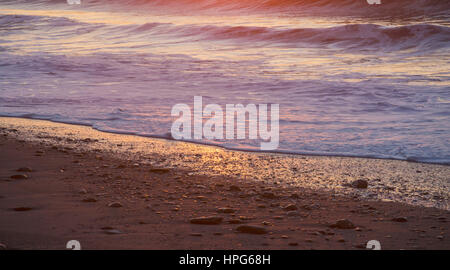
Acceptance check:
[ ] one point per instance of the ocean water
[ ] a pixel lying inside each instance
(351, 78)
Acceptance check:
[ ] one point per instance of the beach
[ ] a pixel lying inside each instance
(61, 182)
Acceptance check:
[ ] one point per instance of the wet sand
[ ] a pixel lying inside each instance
(112, 191)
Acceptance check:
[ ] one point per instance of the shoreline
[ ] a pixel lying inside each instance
(248, 150)
(414, 183)
(112, 200)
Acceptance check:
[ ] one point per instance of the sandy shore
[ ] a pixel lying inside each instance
(63, 182)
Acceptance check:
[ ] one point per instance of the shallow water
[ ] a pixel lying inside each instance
(350, 78)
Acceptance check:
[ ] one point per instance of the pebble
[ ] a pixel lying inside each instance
(251, 229)
(213, 220)
(3, 246)
(196, 234)
(360, 184)
(89, 200)
(113, 231)
(343, 224)
(290, 207)
(293, 244)
(25, 169)
(115, 205)
(400, 219)
(22, 209)
(19, 176)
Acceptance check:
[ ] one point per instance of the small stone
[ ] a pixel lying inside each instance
(360, 184)
(293, 244)
(25, 169)
(22, 209)
(399, 219)
(113, 231)
(3, 246)
(89, 200)
(234, 188)
(343, 224)
(19, 176)
(83, 191)
(213, 220)
(115, 205)
(290, 207)
(251, 229)
(440, 237)
(226, 210)
(196, 234)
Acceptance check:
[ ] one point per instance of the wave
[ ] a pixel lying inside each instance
(416, 37)
(352, 36)
(403, 8)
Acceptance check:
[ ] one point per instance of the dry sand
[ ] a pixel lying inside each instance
(112, 191)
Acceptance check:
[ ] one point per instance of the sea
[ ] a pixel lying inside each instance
(351, 78)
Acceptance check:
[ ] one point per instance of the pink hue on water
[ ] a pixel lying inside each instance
(351, 78)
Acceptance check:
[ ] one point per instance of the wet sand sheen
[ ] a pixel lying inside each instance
(388, 180)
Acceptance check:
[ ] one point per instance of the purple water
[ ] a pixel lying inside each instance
(351, 78)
